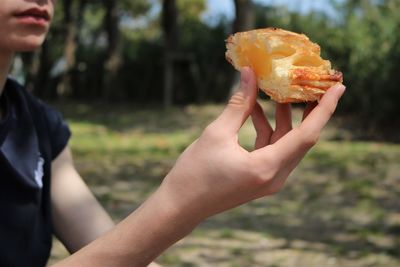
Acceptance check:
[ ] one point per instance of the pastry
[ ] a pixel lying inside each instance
(288, 65)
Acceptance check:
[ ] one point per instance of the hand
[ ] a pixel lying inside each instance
(215, 173)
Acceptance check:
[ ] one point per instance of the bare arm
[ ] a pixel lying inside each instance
(77, 216)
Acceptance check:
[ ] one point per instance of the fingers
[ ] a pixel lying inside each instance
(293, 146)
(262, 126)
(320, 115)
(283, 117)
(297, 142)
(309, 107)
(240, 105)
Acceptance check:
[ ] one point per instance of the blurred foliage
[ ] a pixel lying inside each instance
(361, 38)
(191, 9)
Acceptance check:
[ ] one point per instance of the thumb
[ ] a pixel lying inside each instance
(241, 103)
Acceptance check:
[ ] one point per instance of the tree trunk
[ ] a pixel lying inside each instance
(244, 20)
(113, 59)
(171, 40)
(72, 18)
(37, 71)
(42, 75)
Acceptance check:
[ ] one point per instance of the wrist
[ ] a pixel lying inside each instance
(178, 208)
(156, 225)
(186, 200)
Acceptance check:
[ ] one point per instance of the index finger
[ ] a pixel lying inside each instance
(298, 141)
(320, 115)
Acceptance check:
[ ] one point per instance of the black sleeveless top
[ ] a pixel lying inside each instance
(31, 135)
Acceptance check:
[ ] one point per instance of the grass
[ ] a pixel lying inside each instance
(339, 208)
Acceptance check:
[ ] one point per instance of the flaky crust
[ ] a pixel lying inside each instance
(288, 65)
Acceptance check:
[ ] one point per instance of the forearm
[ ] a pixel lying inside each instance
(81, 219)
(141, 237)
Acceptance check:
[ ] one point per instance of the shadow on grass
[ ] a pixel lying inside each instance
(350, 212)
(342, 200)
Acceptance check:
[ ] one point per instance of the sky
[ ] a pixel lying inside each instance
(226, 7)
(216, 8)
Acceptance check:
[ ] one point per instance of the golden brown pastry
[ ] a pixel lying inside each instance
(288, 65)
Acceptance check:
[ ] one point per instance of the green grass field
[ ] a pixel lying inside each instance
(341, 207)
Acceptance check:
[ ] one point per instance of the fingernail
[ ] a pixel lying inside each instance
(340, 88)
(245, 80)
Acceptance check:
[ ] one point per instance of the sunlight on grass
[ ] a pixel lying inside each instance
(339, 208)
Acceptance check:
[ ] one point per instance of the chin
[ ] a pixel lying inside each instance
(26, 44)
(29, 46)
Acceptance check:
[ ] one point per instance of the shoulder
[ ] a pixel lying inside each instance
(48, 119)
(29, 100)
(26, 100)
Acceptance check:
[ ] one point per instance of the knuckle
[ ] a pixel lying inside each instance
(310, 140)
(255, 175)
(257, 179)
(211, 132)
(276, 187)
(307, 139)
(238, 100)
(262, 170)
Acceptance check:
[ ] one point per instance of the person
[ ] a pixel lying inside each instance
(43, 194)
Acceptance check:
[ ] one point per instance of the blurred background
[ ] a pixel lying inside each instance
(172, 52)
(138, 80)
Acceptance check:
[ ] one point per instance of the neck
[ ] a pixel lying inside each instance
(5, 64)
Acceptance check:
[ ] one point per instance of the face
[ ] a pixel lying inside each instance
(24, 24)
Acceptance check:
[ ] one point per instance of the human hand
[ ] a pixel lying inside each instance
(215, 173)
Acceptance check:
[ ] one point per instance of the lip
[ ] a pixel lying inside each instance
(34, 16)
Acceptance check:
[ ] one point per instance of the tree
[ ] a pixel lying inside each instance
(113, 58)
(171, 41)
(244, 15)
(244, 20)
(115, 10)
(73, 12)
